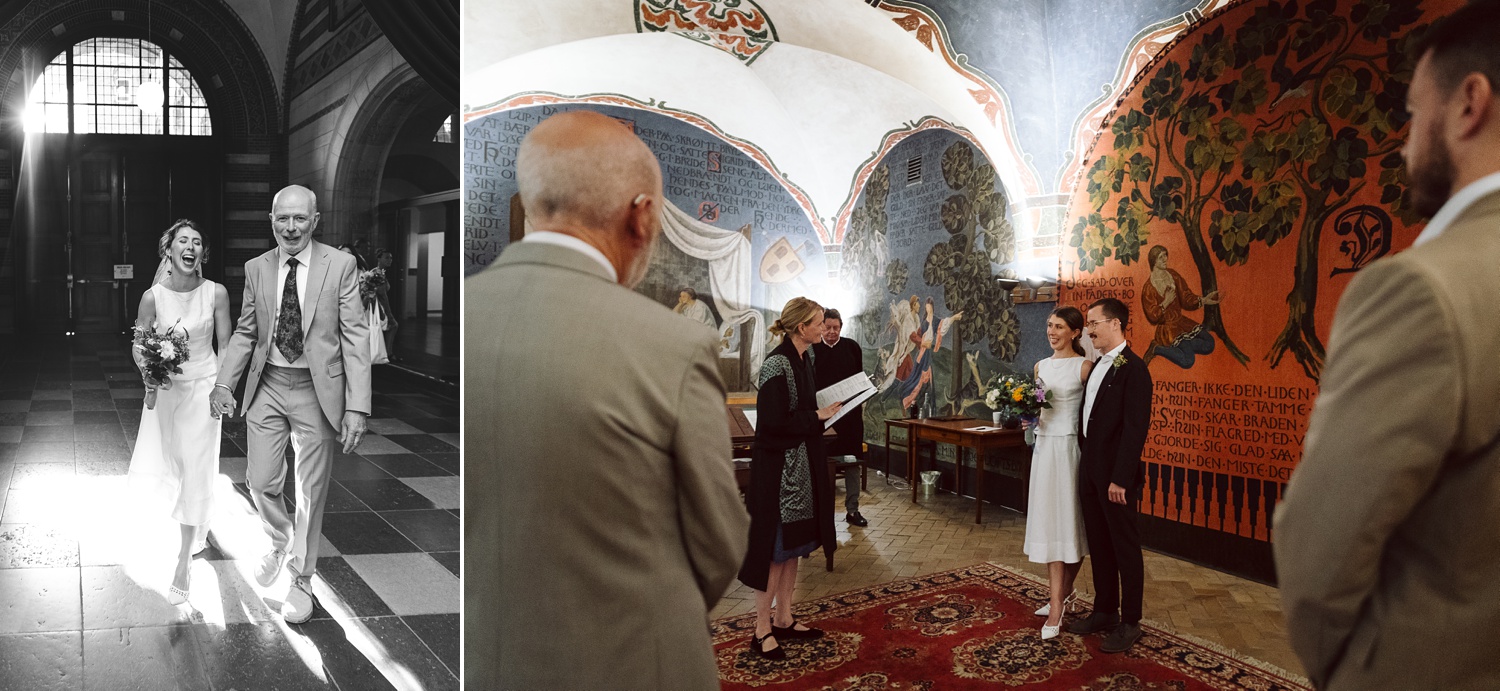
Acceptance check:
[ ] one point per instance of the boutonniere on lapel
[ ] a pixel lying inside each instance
(1119, 361)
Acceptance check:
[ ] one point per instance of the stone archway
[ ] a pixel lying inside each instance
(353, 175)
(208, 37)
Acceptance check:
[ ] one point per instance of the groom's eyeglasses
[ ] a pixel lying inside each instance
(1096, 321)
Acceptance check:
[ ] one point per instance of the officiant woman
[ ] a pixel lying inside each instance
(790, 496)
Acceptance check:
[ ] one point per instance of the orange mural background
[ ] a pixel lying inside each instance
(1260, 151)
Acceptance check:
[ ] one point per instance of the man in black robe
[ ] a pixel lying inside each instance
(836, 359)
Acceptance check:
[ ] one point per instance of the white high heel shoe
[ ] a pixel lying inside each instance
(1049, 632)
(1070, 603)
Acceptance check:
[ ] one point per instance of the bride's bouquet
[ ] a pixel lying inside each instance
(1018, 397)
(369, 282)
(159, 355)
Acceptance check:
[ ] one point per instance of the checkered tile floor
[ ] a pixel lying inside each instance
(84, 573)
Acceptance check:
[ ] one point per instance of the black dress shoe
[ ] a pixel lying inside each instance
(757, 644)
(1120, 640)
(1093, 623)
(855, 519)
(792, 632)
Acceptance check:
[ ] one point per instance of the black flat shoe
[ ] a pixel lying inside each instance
(757, 644)
(792, 632)
(855, 519)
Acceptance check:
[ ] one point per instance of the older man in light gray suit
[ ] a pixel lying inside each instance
(302, 332)
(1387, 543)
(601, 516)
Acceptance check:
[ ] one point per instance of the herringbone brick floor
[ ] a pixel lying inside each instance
(906, 540)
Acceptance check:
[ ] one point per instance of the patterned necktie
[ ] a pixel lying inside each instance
(289, 324)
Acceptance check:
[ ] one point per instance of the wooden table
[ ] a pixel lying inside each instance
(956, 432)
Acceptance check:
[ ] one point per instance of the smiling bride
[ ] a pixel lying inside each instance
(177, 450)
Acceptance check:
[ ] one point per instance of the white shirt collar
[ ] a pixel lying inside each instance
(1113, 352)
(562, 240)
(301, 257)
(1457, 204)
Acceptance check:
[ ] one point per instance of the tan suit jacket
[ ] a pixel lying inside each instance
(601, 516)
(1388, 543)
(336, 339)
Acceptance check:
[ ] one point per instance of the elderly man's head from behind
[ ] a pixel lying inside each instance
(587, 175)
(1454, 138)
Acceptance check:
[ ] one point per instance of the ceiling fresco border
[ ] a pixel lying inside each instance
(744, 32)
(1149, 43)
(539, 98)
(929, 30)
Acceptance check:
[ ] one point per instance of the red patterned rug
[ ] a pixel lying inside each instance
(971, 628)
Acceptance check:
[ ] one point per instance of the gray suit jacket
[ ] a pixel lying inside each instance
(336, 339)
(1388, 543)
(601, 515)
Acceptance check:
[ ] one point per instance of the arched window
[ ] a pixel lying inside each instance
(96, 87)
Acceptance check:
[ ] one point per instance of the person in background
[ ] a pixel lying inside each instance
(838, 359)
(384, 259)
(790, 497)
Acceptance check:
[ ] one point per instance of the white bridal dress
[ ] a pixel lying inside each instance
(177, 450)
(1054, 519)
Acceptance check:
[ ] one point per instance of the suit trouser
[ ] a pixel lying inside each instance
(286, 409)
(1115, 547)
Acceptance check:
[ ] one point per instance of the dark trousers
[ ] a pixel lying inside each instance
(1115, 549)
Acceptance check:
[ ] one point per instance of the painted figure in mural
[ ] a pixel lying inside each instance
(1116, 417)
(790, 496)
(1164, 298)
(176, 456)
(906, 365)
(914, 372)
(1385, 542)
(1054, 517)
(838, 359)
(567, 548)
(688, 305)
(304, 338)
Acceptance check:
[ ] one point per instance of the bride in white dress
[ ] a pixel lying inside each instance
(177, 450)
(1054, 519)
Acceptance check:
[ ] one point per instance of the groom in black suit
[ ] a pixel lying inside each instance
(1116, 414)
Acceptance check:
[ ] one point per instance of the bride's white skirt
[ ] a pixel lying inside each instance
(1054, 519)
(176, 453)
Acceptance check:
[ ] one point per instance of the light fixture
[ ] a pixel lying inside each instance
(1007, 283)
(149, 95)
(1038, 281)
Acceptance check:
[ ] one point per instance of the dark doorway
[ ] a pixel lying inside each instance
(91, 210)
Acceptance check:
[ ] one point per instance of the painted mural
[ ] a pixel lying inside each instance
(736, 244)
(738, 27)
(1248, 172)
(927, 235)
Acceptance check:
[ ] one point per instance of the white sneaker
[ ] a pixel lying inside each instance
(298, 607)
(270, 567)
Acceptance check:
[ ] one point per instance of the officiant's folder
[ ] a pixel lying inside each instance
(854, 390)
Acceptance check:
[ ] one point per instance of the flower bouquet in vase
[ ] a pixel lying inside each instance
(159, 355)
(1016, 399)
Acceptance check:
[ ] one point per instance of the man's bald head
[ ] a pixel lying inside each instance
(294, 218)
(585, 169)
(297, 193)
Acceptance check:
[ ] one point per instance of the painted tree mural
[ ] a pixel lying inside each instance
(961, 266)
(865, 254)
(1260, 136)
